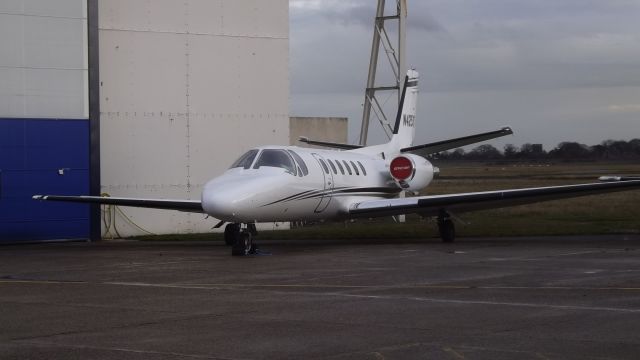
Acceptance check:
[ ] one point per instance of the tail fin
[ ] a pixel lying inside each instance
(404, 130)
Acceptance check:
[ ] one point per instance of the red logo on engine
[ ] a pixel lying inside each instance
(401, 168)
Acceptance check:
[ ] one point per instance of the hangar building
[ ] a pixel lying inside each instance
(132, 98)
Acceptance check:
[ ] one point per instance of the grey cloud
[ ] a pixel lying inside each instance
(361, 14)
(473, 55)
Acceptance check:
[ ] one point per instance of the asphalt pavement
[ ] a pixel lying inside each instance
(517, 298)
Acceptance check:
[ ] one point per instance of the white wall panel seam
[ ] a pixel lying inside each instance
(196, 33)
(43, 68)
(44, 16)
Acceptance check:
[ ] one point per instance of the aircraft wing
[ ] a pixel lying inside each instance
(457, 203)
(436, 147)
(181, 205)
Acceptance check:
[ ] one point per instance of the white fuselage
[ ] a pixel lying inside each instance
(331, 183)
(289, 183)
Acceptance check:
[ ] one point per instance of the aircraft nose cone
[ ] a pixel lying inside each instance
(220, 201)
(238, 198)
(232, 198)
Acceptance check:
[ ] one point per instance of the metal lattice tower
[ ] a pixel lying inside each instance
(396, 57)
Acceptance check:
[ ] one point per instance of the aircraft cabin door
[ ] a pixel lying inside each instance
(325, 199)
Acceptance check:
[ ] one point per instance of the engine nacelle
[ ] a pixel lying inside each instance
(411, 172)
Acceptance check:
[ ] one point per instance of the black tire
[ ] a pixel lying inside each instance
(447, 230)
(243, 245)
(231, 233)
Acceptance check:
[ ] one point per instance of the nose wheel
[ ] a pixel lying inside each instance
(240, 237)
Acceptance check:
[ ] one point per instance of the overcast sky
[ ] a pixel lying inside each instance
(553, 70)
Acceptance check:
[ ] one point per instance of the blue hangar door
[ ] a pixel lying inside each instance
(45, 107)
(40, 156)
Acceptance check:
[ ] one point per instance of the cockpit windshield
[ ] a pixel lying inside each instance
(276, 158)
(245, 160)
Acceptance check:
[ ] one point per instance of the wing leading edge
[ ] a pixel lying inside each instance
(181, 205)
(436, 147)
(456, 203)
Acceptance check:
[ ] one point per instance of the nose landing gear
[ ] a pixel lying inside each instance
(240, 238)
(231, 233)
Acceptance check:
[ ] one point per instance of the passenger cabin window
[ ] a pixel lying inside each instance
(301, 163)
(324, 166)
(364, 172)
(333, 167)
(340, 166)
(245, 160)
(276, 158)
(355, 168)
(347, 167)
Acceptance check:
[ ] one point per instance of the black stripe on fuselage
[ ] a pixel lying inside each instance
(312, 194)
(351, 191)
(401, 105)
(386, 190)
(293, 197)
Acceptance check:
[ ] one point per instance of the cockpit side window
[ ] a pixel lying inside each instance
(276, 158)
(245, 160)
(303, 167)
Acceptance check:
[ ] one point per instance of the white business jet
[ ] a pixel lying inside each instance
(288, 183)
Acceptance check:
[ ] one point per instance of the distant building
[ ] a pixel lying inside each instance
(331, 129)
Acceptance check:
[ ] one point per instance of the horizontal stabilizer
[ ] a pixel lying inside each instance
(436, 147)
(329, 144)
(180, 205)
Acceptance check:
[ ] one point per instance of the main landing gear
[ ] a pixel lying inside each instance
(240, 238)
(446, 227)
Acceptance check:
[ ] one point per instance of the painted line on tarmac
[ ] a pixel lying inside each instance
(410, 298)
(119, 349)
(494, 303)
(23, 281)
(359, 296)
(316, 286)
(453, 353)
(372, 287)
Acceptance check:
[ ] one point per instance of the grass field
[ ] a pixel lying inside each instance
(598, 214)
(615, 213)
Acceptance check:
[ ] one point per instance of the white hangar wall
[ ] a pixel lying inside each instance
(186, 87)
(43, 59)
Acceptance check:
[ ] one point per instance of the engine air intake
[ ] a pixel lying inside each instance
(401, 168)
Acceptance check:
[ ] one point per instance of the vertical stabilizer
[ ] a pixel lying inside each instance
(404, 129)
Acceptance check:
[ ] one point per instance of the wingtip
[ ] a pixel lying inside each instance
(38, 197)
(508, 130)
(610, 178)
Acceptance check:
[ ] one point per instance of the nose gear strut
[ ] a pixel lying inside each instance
(240, 238)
